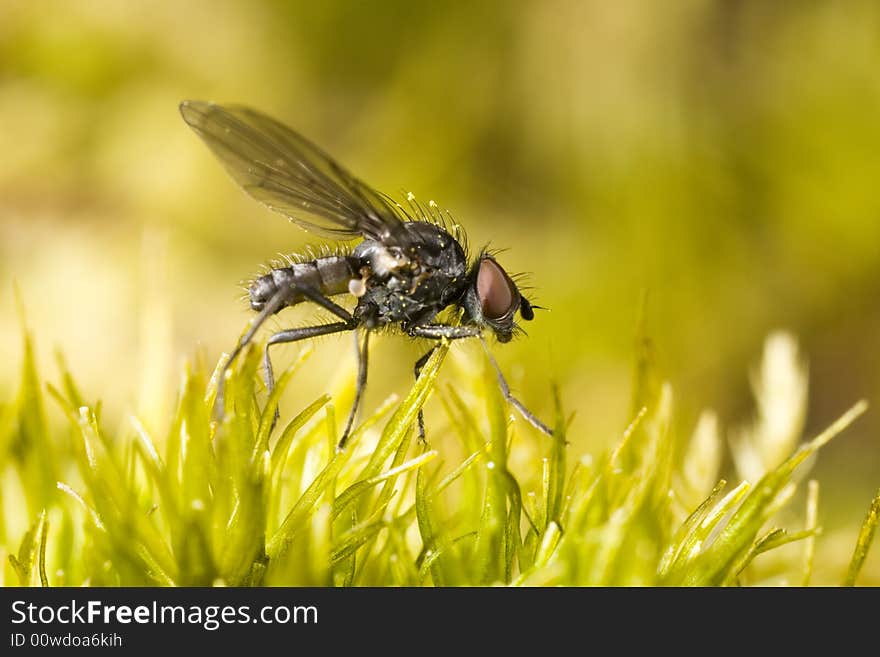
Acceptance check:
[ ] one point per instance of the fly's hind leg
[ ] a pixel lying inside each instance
(272, 306)
(348, 323)
(306, 332)
(295, 335)
(276, 303)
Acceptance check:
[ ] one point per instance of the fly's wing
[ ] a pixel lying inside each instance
(285, 171)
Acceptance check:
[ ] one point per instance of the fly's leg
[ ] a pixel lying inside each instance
(272, 306)
(516, 403)
(436, 332)
(295, 335)
(420, 363)
(440, 331)
(363, 360)
(275, 303)
(348, 323)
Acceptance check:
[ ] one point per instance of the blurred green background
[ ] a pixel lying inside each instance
(720, 157)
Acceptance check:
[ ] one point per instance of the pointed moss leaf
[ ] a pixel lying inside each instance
(715, 564)
(305, 506)
(555, 478)
(694, 543)
(357, 489)
(770, 541)
(282, 445)
(25, 563)
(405, 414)
(267, 418)
(679, 540)
(863, 543)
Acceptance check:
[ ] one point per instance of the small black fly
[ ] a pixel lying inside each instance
(407, 269)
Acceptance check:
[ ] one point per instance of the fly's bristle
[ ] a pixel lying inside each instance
(412, 203)
(339, 250)
(521, 278)
(435, 214)
(416, 207)
(422, 213)
(432, 213)
(245, 287)
(493, 251)
(309, 252)
(277, 263)
(458, 232)
(406, 216)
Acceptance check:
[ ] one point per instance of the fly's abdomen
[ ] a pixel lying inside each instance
(329, 275)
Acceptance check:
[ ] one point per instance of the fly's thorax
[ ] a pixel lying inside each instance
(411, 281)
(383, 262)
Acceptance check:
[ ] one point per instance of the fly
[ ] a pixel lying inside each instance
(404, 272)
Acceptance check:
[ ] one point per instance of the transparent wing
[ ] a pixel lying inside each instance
(285, 171)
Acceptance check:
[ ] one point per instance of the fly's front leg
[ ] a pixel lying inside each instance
(517, 404)
(436, 332)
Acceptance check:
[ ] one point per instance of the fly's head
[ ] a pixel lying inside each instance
(493, 299)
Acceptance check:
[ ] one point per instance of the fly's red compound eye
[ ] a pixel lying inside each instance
(497, 294)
